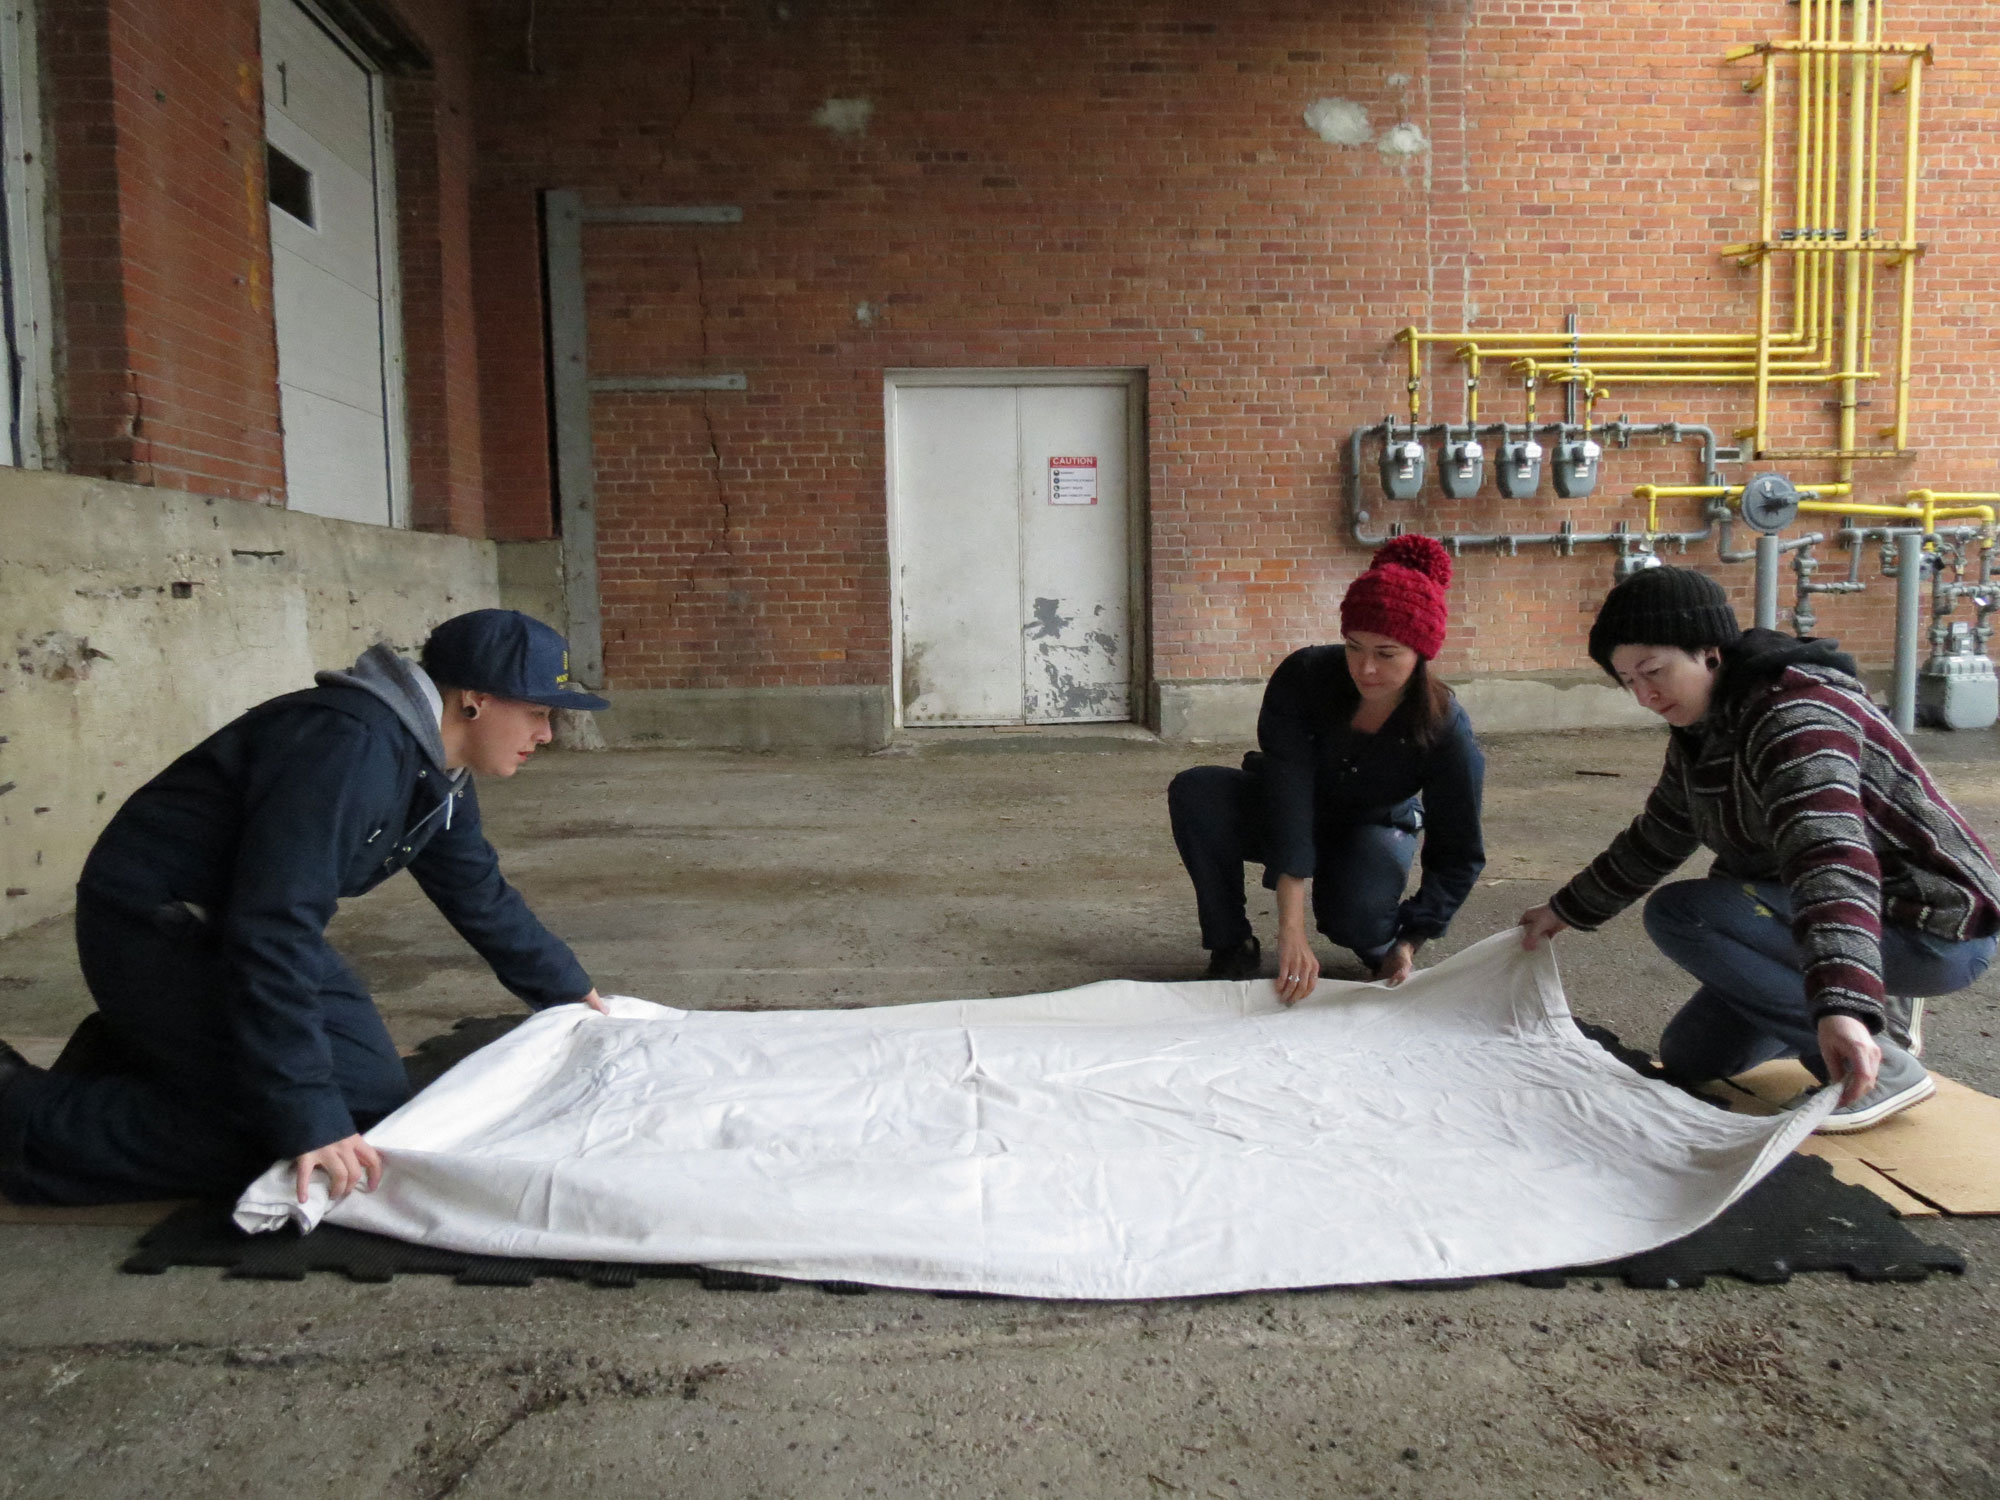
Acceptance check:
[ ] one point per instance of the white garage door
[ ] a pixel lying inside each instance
(1013, 515)
(339, 364)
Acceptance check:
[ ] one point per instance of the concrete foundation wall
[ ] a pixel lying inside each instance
(1227, 709)
(135, 621)
(531, 580)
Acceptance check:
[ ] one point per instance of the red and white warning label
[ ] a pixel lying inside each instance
(1073, 481)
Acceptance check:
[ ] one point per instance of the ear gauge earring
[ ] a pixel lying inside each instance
(470, 710)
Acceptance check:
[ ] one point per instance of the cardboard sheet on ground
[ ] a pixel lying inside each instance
(1936, 1158)
(1117, 1140)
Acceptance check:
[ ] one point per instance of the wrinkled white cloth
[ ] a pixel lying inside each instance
(1117, 1140)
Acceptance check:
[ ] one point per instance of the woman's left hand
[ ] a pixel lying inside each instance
(1853, 1058)
(1397, 964)
(596, 1002)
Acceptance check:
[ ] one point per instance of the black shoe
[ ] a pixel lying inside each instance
(1240, 962)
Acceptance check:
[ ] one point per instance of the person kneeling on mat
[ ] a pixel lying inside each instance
(1362, 749)
(228, 1032)
(1841, 870)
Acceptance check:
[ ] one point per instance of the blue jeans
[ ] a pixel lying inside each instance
(1360, 868)
(1736, 938)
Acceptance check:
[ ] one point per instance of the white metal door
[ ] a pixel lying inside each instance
(1075, 559)
(958, 508)
(1012, 521)
(338, 377)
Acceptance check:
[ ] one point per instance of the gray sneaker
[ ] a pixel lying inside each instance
(1906, 1023)
(1901, 1083)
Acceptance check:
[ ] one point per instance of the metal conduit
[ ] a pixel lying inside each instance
(1766, 615)
(1909, 625)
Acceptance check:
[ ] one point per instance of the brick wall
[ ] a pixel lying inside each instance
(163, 264)
(169, 362)
(507, 283)
(432, 125)
(1105, 183)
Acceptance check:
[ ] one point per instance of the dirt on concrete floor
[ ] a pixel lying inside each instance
(957, 867)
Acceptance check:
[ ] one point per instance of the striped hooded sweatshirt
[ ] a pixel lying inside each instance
(1793, 775)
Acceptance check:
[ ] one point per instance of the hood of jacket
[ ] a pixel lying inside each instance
(403, 686)
(1760, 656)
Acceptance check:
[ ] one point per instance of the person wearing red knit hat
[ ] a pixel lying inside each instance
(1362, 752)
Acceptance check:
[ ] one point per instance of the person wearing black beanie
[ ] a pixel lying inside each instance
(1663, 607)
(1845, 886)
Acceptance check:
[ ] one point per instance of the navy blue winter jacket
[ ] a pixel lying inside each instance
(264, 826)
(1319, 774)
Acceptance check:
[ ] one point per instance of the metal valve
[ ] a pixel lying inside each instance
(1520, 470)
(1462, 470)
(1770, 503)
(1576, 467)
(1402, 465)
(1637, 560)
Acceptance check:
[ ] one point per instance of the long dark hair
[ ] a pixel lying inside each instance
(1421, 715)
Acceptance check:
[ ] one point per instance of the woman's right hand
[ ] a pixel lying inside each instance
(1298, 966)
(1539, 925)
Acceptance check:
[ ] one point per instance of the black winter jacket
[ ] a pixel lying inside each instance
(263, 827)
(1318, 773)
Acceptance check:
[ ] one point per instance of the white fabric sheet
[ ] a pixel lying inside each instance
(1117, 1140)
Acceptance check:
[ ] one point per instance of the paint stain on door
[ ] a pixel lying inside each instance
(1074, 671)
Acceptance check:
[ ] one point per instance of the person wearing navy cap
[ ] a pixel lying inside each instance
(228, 1032)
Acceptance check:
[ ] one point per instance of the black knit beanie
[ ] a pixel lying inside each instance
(1663, 607)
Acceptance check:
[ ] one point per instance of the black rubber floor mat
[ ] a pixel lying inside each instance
(1800, 1218)
(202, 1234)
(437, 1055)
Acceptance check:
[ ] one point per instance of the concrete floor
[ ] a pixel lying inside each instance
(976, 865)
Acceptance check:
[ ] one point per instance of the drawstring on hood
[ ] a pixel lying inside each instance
(405, 687)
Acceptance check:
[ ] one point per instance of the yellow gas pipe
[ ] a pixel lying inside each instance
(1653, 494)
(1804, 354)
(1927, 507)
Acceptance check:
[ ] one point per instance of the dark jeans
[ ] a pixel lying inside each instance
(1360, 868)
(1736, 938)
(161, 1111)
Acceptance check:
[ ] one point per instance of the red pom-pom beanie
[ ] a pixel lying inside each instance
(1402, 594)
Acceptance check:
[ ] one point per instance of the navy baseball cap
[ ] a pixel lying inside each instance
(507, 653)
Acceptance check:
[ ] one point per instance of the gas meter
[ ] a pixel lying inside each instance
(1957, 688)
(1520, 470)
(1402, 464)
(1576, 468)
(1462, 470)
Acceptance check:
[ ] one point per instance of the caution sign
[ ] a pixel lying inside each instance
(1073, 481)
